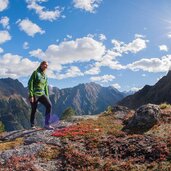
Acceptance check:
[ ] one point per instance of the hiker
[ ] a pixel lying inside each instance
(38, 92)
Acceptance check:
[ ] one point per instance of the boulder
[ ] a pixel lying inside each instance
(120, 111)
(143, 120)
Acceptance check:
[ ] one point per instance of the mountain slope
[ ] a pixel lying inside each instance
(159, 93)
(10, 86)
(14, 108)
(87, 98)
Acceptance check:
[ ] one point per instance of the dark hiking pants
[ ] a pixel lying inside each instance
(46, 102)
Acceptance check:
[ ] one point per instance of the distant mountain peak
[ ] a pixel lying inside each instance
(10, 86)
(87, 98)
(156, 94)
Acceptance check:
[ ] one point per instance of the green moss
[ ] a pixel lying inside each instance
(165, 105)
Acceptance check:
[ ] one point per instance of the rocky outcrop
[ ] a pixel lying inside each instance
(120, 111)
(144, 119)
(92, 144)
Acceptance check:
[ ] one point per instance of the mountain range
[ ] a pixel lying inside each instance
(89, 98)
(156, 94)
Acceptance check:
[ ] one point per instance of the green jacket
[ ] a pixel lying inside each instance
(37, 84)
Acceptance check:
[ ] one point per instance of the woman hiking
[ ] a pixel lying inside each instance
(38, 92)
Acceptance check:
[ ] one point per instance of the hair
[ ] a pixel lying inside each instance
(43, 62)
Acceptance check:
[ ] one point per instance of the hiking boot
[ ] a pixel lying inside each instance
(33, 127)
(48, 127)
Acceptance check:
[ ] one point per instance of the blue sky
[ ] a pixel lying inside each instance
(120, 43)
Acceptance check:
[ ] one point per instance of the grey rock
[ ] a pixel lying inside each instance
(43, 137)
(120, 111)
(144, 119)
(26, 150)
(9, 136)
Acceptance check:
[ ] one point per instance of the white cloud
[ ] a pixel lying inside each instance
(135, 89)
(110, 63)
(103, 79)
(139, 36)
(93, 71)
(81, 50)
(53, 65)
(1, 50)
(25, 45)
(91, 35)
(152, 64)
(29, 27)
(135, 46)
(87, 5)
(5, 22)
(85, 49)
(169, 35)
(69, 36)
(163, 48)
(38, 53)
(117, 86)
(50, 73)
(109, 60)
(73, 71)
(102, 37)
(15, 66)
(3, 4)
(4, 36)
(42, 12)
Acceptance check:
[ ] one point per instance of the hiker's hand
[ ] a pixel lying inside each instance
(31, 99)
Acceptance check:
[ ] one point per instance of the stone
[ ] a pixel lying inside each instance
(120, 111)
(144, 119)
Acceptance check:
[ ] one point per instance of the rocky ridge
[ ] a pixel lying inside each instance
(98, 143)
(155, 94)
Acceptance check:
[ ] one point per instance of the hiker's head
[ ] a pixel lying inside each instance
(43, 65)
